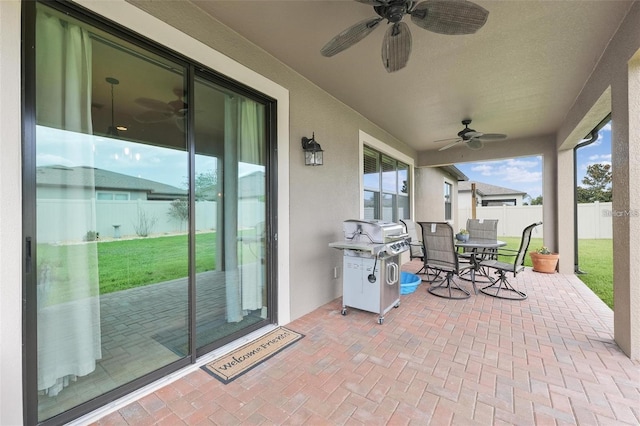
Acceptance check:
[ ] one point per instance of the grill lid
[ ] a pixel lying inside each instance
(372, 231)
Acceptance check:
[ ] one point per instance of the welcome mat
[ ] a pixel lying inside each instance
(234, 364)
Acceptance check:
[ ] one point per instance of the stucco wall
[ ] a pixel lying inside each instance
(10, 217)
(429, 183)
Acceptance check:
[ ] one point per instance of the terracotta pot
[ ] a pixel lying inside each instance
(545, 263)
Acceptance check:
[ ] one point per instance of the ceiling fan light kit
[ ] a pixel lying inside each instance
(449, 17)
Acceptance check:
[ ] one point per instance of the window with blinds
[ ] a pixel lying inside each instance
(386, 187)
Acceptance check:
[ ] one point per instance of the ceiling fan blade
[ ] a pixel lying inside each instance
(447, 140)
(374, 2)
(450, 145)
(492, 136)
(155, 105)
(396, 47)
(180, 123)
(451, 17)
(474, 143)
(350, 36)
(152, 116)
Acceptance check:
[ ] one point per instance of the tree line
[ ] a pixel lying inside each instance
(597, 186)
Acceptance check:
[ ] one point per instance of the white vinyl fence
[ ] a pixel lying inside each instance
(594, 219)
(63, 221)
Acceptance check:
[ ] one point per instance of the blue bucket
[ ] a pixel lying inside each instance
(409, 282)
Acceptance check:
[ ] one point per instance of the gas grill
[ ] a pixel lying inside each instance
(371, 270)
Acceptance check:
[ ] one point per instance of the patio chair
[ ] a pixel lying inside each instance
(483, 229)
(480, 229)
(501, 287)
(440, 255)
(416, 250)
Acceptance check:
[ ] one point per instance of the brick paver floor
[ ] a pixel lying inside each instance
(547, 360)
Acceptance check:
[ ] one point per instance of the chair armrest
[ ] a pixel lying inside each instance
(505, 253)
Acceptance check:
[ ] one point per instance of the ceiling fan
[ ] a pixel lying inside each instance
(471, 138)
(450, 17)
(158, 111)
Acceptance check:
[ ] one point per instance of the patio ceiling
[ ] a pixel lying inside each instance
(518, 75)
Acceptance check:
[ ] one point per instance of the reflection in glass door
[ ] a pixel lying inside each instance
(230, 214)
(112, 242)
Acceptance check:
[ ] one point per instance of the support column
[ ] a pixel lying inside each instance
(565, 204)
(625, 148)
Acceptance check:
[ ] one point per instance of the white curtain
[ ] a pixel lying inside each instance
(69, 340)
(244, 143)
(251, 132)
(252, 151)
(230, 202)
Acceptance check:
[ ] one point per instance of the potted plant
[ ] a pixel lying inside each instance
(463, 235)
(544, 261)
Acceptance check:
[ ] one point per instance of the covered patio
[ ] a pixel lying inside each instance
(550, 359)
(544, 75)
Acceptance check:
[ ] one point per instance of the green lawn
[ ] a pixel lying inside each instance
(131, 263)
(595, 258)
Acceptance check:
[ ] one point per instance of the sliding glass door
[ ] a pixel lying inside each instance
(230, 192)
(150, 218)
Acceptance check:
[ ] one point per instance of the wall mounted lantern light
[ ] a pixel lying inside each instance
(312, 151)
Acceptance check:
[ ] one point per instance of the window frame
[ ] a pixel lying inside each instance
(382, 192)
(448, 201)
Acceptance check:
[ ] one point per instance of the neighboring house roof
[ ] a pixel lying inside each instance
(99, 179)
(456, 173)
(486, 189)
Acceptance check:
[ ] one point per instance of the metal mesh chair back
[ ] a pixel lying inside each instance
(487, 229)
(416, 241)
(524, 245)
(440, 252)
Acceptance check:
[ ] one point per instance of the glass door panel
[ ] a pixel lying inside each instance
(111, 199)
(230, 213)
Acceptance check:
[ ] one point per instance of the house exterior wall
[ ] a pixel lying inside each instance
(464, 199)
(429, 205)
(516, 197)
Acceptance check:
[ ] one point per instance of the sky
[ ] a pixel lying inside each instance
(525, 173)
(169, 166)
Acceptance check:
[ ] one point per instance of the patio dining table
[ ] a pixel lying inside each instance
(478, 248)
